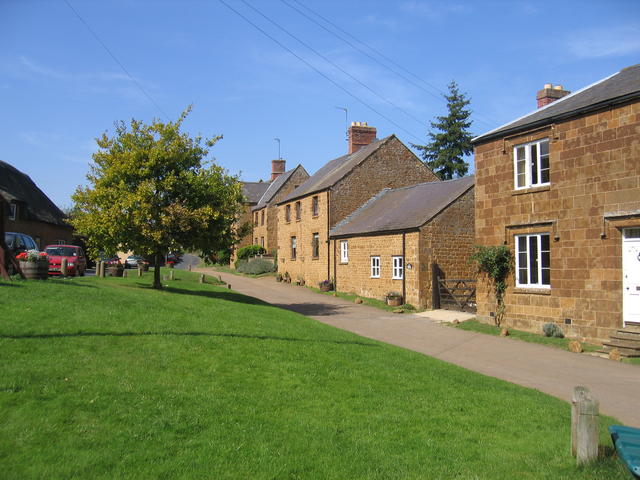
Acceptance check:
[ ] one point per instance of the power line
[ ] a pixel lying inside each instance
(486, 121)
(355, 79)
(319, 72)
(115, 59)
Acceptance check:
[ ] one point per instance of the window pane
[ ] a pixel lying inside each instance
(534, 164)
(544, 147)
(520, 154)
(544, 240)
(533, 259)
(522, 244)
(522, 276)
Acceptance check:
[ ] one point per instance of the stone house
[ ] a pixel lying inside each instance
(561, 188)
(391, 242)
(265, 212)
(342, 185)
(30, 211)
(251, 192)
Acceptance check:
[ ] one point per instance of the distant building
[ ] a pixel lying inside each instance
(30, 211)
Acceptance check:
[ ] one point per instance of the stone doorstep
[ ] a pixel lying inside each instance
(624, 351)
(624, 343)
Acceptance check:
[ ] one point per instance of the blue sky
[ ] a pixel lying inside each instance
(60, 88)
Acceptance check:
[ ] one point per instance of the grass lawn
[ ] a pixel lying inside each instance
(107, 378)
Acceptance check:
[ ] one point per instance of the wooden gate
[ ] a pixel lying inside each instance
(453, 293)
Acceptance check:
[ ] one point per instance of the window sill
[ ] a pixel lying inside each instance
(376, 278)
(396, 278)
(315, 216)
(524, 191)
(315, 258)
(293, 259)
(532, 291)
(298, 219)
(343, 263)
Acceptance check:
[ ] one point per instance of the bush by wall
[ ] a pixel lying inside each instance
(255, 266)
(250, 251)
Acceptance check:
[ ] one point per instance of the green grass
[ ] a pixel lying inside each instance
(372, 302)
(562, 343)
(107, 378)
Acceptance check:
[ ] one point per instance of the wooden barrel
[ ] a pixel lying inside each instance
(35, 270)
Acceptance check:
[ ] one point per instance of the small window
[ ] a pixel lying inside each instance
(262, 218)
(255, 219)
(287, 213)
(344, 251)
(262, 242)
(315, 245)
(398, 268)
(255, 241)
(314, 206)
(298, 211)
(13, 211)
(533, 261)
(294, 248)
(375, 267)
(531, 164)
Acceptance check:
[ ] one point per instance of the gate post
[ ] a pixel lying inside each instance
(435, 286)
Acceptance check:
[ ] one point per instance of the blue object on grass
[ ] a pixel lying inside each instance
(627, 443)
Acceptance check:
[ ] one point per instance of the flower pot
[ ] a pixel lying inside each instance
(325, 287)
(35, 270)
(394, 301)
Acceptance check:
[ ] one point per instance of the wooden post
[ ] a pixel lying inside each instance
(125, 273)
(435, 287)
(64, 267)
(171, 274)
(139, 271)
(101, 269)
(201, 280)
(189, 267)
(584, 425)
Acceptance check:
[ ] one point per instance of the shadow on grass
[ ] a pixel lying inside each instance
(219, 295)
(44, 336)
(8, 283)
(310, 309)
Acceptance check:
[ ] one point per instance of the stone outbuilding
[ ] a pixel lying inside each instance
(336, 190)
(393, 242)
(30, 211)
(561, 188)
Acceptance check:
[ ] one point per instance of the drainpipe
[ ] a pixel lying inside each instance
(335, 275)
(404, 271)
(329, 241)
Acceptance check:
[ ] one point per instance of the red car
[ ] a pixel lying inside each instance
(76, 261)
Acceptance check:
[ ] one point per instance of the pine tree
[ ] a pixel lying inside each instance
(445, 152)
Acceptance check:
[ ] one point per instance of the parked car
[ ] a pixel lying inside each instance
(132, 261)
(17, 243)
(76, 260)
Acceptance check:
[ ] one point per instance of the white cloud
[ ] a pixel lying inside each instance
(605, 42)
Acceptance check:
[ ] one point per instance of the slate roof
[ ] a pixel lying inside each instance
(274, 188)
(402, 208)
(252, 191)
(334, 170)
(18, 186)
(618, 88)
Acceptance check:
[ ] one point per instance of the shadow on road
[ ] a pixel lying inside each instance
(311, 309)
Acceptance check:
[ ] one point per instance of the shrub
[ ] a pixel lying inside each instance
(552, 330)
(250, 251)
(496, 263)
(255, 266)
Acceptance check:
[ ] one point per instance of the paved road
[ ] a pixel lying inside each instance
(550, 370)
(188, 259)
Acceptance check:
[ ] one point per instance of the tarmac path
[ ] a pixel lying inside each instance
(550, 370)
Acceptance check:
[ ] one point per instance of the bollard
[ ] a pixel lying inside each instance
(64, 267)
(584, 425)
(229, 286)
(201, 280)
(171, 274)
(189, 267)
(102, 265)
(125, 273)
(139, 271)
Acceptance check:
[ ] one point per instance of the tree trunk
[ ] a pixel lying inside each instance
(156, 272)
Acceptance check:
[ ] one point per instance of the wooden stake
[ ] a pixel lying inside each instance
(64, 267)
(585, 425)
(201, 280)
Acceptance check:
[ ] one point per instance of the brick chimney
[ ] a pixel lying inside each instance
(360, 135)
(278, 167)
(550, 94)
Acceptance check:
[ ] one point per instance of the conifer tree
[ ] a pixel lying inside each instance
(450, 139)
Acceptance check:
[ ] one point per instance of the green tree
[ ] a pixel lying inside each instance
(445, 152)
(152, 191)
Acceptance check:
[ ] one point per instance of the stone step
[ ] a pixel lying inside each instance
(626, 335)
(616, 342)
(624, 351)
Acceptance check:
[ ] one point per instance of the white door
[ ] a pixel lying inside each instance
(631, 276)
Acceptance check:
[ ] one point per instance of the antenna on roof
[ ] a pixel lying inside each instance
(278, 140)
(346, 121)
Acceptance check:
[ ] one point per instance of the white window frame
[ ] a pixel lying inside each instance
(536, 239)
(531, 164)
(13, 211)
(344, 251)
(294, 248)
(315, 244)
(398, 267)
(375, 266)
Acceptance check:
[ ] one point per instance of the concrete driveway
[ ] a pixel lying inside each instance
(550, 370)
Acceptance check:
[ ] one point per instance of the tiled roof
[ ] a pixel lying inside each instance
(402, 208)
(619, 87)
(274, 187)
(334, 170)
(252, 191)
(18, 186)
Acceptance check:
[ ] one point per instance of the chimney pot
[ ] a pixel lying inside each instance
(278, 167)
(550, 94)
(548, 85)
(360, 135)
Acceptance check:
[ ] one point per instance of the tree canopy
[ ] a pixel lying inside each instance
(152, 191)
(447, 147)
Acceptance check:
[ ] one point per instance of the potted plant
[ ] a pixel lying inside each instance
(325, 286)
(34, 264)
(278, 277)
(286, 277)
(300, 281)
(394, 299)
(115, 269)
